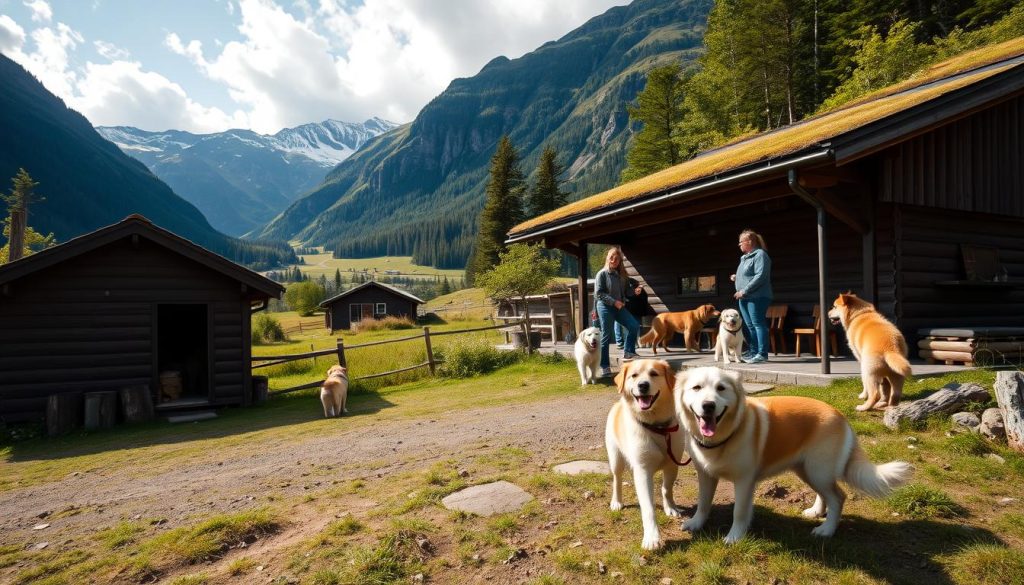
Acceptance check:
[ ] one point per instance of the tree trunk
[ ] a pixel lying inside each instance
(136, 404)
(1010, 396)
(526, 321)
(63, 413)
(100, 410)
(17, 239)
(951, 398)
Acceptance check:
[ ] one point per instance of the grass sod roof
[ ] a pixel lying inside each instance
(807, 133)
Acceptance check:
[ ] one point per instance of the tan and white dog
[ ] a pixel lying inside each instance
(730, 336)
(587, 351)
(334, 391)
(879, 347)
(746, 440)
(642, 433)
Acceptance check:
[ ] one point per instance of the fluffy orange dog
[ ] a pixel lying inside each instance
(689, 323)
(879, 347)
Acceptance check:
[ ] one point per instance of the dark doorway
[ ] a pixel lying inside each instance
(182, 352)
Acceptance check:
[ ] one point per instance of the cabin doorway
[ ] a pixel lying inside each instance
(182, 353)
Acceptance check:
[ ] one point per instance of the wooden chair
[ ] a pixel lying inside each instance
(776, 315)
(816, 334)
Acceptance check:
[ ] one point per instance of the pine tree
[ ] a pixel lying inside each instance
(547, 194)
(337, 279)
(445, 287)
(21, 196)
(659, 108)
(502, 210)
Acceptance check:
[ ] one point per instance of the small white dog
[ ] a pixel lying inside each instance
(334, 392)
(730, 336)
(588, 354)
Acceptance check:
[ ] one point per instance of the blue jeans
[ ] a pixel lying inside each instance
(755, 324)
(609, 317)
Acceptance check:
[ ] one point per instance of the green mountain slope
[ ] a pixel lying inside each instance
(87, 182)
(418, 189)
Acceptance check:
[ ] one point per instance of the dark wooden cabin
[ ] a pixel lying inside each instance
(912, 197)
(119, 306)
(370, 300)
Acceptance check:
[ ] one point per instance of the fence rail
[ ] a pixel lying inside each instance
(273, 360)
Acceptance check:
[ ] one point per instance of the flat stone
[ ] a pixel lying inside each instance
(488, 499)
(757, 387)
(966, 419)
(583, 466)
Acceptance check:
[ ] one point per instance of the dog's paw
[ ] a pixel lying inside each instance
(693, 524)
(734, 536)
(880, 405)
(862, 407)
(615, 506)
(673, 511)
(812, 512)
(824, 531)
(651, 542)
(863, 395)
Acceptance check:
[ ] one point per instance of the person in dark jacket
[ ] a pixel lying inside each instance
(610, 294)
(636, 305)
(753, 280)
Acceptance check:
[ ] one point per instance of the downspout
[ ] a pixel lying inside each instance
(797, 188)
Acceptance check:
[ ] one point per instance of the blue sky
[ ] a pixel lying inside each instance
(209, 65)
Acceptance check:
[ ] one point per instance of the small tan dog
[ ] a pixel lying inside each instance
(745, 440)
(730, 336)
(689, 323)
(334, 392)
(879, 347)
(642, 432)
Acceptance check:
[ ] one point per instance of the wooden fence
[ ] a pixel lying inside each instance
(339, 351)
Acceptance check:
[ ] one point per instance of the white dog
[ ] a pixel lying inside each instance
(746, 440)
(642, 432)
(334, 392)
(730, 336)
(588, 354)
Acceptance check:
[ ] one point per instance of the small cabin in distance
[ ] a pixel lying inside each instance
(123, 306)
(370, 300)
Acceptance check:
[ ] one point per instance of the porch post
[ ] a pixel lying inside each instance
(583, 320)
(826, 366)
(868, 249)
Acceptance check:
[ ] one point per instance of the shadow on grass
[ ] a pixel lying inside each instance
(280, 411)
(901, 551)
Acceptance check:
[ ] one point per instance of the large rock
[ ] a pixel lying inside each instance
(966, 419)
(1010, 396)
(950, 398)
(578, 467)
(992, 424)
(488, 499)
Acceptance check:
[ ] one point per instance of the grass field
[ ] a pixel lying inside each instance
(324, 263)
(952, 525)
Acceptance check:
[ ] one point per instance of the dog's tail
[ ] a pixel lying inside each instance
(648, 338)
(898, 362)
(876, 481)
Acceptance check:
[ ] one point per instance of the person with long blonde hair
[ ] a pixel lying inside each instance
(753, 280)
(610, 293)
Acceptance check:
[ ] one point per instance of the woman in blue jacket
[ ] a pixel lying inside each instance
(610, 293)
(753, 280)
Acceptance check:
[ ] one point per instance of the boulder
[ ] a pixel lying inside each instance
(1010, 396)
(992, 424)
(950, 398)
(966, 419)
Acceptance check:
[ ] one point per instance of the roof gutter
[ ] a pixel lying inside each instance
(722, 182)
(798, 189)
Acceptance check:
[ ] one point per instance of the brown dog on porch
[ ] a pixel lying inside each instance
(689, 323)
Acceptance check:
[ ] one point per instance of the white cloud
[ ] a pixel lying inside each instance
(41, 11)
(12, 36)
(111, 51)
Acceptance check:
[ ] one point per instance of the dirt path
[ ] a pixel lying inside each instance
(104, 497)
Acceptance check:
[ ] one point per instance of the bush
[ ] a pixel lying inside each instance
(389, 322)
(918, 501)
(304, 297)
(266, 329)
(465, 359)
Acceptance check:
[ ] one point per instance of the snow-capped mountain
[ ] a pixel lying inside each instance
(240, 179)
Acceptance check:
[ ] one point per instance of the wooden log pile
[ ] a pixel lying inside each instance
(983, 348)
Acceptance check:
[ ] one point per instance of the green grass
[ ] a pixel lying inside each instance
(317, 264)
(919, 501)
(211, 538)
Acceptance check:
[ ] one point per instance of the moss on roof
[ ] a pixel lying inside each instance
(790, 139)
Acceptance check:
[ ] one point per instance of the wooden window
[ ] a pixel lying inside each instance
(359, 311)
(704, 285)
(381, 309)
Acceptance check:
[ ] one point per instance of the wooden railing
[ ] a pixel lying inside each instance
(273, 360)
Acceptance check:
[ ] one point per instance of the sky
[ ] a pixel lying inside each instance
(210, 65)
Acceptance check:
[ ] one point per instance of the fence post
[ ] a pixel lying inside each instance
(341, 353)
(430, 351)
(311, 350)
(526, 337)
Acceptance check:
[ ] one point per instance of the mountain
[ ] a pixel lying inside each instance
(240, 179)
(86, 182)
(419, 188)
